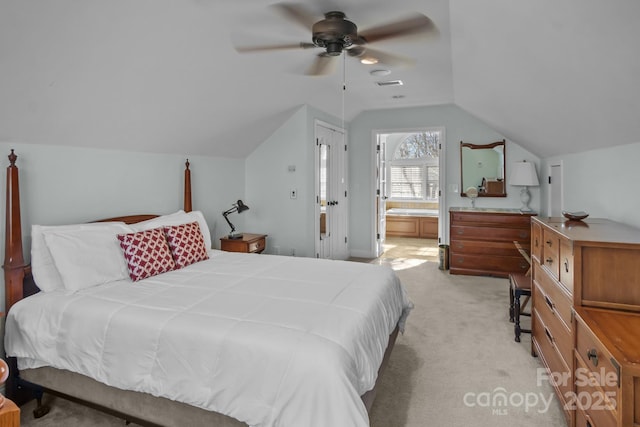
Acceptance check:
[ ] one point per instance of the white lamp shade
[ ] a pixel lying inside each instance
(524, 173)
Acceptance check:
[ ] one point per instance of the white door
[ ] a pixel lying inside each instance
(555, 189)
(381, 194)
(331, 197)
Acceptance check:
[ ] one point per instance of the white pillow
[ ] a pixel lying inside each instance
(177, 218)
(43, 268)
(88, 257)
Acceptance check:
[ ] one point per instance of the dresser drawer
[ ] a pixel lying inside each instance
(566, 264)
(257, 246)
(554, 296)
(596, 359)
(488, 219)
(483, 247)
(501, 265)
(536, 241)
(551, 252)
(546, 309)
(248, 243)
(599, 406)
(469, 232)
(593, 419)
(547, 351)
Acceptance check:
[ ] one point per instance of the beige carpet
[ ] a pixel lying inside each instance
(403, 248)
(455, 360)
(458, 354)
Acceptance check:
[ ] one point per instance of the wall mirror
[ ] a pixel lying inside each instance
(482, 168)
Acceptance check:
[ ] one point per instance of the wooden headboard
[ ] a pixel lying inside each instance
(18, 281)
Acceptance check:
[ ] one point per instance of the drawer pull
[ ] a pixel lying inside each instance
(593, 356)
(549, 242)
(549, 260)
(566, 265)
(546, 331)
(549, 303)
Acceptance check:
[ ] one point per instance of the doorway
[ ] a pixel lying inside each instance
(555, 190)
(409, 204)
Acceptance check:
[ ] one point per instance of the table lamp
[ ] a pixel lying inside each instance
(524, 174)
(239, 207)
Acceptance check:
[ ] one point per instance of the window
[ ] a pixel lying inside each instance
(407, 181)
(415, 173)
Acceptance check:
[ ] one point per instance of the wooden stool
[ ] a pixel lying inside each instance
(519, 284)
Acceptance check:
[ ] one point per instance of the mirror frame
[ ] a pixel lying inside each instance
(490, 146)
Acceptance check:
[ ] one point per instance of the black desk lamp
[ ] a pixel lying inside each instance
(237, 207)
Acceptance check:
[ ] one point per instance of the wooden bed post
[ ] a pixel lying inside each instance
(13, 257)
(187, 188)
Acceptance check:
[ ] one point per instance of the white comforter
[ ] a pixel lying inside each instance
(268, 340)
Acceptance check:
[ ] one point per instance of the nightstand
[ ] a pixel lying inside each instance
(249, 243)
(9, 414)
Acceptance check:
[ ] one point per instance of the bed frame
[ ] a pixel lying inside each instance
(141, 408)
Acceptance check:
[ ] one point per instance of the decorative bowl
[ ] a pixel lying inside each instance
(575, 216)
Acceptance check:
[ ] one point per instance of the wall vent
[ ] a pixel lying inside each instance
(390, 83)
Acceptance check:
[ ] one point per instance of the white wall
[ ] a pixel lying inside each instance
(64, 185)
(288, 222)
(459, 126)
(600, 182)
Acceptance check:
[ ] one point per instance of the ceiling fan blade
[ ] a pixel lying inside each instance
(288, 46)
(382, 57)
(323, 65)
(298, 13)
(414, 24)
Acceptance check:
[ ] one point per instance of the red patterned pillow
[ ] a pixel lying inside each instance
(147, 253)
(186, 243)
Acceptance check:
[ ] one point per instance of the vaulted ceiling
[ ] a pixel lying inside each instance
(164, 76)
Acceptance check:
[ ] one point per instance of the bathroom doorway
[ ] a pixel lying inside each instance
(409, 201)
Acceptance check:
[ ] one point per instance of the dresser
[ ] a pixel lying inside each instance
(481, 241)
(586, 317)
(249, 243)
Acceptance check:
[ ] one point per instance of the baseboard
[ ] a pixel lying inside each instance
(362, 254)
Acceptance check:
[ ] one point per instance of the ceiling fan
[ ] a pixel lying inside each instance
(335, 34)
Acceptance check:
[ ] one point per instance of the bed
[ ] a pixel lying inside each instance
(228, 340)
